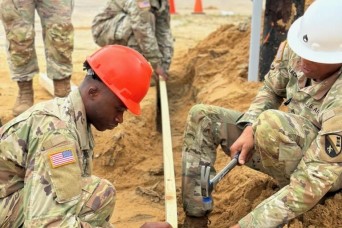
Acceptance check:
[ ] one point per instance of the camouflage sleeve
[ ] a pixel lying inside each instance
(53, 181)
(273, 91)
(318, 172)
(164, 35)
(102, 25)
(139, 12)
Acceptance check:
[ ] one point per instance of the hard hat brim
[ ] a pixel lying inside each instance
(133, 107)
(302, 49)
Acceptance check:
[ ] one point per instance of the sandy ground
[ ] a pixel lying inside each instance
(210, 66)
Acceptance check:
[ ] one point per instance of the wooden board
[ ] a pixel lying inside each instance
(169, 173)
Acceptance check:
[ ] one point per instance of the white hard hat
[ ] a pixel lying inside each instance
(317, 35)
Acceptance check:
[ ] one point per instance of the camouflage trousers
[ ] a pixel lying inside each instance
(117, 30)
(94, 208)
(280, 141)
(18, 18)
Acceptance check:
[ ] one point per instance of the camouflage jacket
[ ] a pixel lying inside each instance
(156, 46)
(320, 169)
(45, 152)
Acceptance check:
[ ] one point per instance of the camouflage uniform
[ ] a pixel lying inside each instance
(301, 149)
(140, 24)
(18, 20)
(45, 169)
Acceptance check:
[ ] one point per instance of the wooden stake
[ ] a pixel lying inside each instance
(169, 173)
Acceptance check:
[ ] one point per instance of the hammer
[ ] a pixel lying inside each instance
(207, 185)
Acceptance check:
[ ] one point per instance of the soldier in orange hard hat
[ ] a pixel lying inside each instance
(46, 152)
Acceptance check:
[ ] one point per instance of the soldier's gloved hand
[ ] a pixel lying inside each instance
(156, 225)
(160, 71)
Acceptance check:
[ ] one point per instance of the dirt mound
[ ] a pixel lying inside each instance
(216, 69)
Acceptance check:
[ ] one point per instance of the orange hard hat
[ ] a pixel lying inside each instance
(125, 71)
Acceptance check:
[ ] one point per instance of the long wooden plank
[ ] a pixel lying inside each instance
(169, 173)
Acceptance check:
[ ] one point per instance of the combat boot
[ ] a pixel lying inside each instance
(61, 87)
(195, 222)
(25, 98)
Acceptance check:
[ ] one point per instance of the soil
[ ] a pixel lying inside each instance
(210, 66)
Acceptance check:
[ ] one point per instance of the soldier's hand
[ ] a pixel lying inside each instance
(156, 225)
(245, 144)
(159, 71)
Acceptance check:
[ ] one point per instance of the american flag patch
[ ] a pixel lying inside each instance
(61, 158)
(144, 4)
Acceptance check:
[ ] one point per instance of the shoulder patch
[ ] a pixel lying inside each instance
(57, 140)
(144, 4)
(280, 52)
(333, 145)
(61, 156)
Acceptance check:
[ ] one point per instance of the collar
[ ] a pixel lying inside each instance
(85, 135)
(317, 90)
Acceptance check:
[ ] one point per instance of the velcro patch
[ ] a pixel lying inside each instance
(333, 145)
(144, 4)
(61, 157)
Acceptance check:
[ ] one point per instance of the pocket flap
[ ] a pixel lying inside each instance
(64, 171)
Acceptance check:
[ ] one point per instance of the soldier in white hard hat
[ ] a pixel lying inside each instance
(300, 148)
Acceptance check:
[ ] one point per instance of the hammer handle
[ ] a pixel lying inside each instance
(225, 170)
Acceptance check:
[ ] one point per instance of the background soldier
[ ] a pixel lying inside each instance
(301, 149)
(140, 24)
(58, 33)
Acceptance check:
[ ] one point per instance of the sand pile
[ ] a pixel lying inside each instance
(217, 68)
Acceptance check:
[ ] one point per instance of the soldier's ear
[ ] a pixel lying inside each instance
(93, 92)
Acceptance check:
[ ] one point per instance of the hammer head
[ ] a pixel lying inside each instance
(206, 185)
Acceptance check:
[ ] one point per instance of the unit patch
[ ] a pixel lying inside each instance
(333, 145)
(61, 158)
